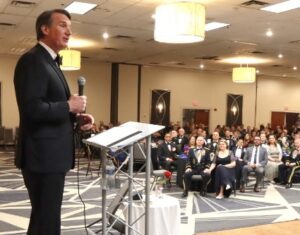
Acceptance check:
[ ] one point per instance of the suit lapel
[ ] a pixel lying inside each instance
(56, 69)
(60, 75)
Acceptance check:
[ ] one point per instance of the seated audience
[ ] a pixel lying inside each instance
(180, 141)
(167, 153)
(192, 142)
(291, 164)
(198, 161)
(274, 159)
(224, 162)
(239, 153)
(256, 158)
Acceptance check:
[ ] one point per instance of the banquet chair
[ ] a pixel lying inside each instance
(199, 179)
(252, 174)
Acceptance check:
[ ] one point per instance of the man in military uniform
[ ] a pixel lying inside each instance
(198, 160)
(290, 166)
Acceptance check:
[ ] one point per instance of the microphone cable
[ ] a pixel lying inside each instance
(78, 138)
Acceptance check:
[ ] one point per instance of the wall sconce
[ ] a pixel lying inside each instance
(244, 74)
(71, 59)
(160, 107)
(234, 110)
(179, 22)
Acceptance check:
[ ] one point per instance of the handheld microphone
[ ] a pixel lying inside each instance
(81, 83)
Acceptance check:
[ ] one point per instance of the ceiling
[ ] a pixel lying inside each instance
(130, 26)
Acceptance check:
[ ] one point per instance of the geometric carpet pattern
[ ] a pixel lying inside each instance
(198, 214)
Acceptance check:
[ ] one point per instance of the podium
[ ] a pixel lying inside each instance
(118, 138)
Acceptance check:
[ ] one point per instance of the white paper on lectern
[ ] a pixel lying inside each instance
(122, 136)
(114, 134)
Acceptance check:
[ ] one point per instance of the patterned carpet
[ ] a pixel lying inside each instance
(198, 214)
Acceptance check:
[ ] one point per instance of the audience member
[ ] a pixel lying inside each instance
(198, 161)
(291, 164)
(256, 158)
(274, 159)
(224, 162)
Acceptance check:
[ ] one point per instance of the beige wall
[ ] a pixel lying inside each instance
(195, 89)
(189, 89)
(128, 88)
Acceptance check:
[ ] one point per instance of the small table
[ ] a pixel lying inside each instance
(164, 216)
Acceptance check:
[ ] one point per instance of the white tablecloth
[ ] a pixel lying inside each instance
(164, 216)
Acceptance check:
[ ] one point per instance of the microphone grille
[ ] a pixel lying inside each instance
(81, 81)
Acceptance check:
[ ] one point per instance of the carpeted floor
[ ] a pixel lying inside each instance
(283, 228)
(198, 214)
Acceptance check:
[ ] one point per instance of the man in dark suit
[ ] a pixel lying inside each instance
(198, 161)
(48, 112)
(239, 153)
(167, 153)
(180, 141)
(256, 158)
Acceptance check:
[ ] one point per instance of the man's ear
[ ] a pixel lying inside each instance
(45, 29)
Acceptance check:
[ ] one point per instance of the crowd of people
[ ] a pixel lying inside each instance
(225, 157)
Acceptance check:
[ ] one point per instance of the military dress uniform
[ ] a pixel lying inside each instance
(198, 160)
(286, 171)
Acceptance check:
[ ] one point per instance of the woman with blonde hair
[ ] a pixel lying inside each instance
(224, 163)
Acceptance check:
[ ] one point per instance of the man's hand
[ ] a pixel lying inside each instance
(85, 121)
(252, 165)
(77, 104)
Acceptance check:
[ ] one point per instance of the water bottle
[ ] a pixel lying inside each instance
(110, 171)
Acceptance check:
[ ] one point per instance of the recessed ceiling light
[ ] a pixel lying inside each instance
(201, 66)
(295, 68)
(280, 56)
(80, 7)
(257, 71)
(214, 25)
(105, 35)
(283, 6)
(269, 33)
(245, 60)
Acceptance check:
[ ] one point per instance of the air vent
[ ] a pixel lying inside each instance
(207, 58)
(257, 52)
(295, 42)
(123, 37)
(254, 3)
(153, 63)
(17, 51)
(277, 65)
(23, 4)
(5, 26)
(28, 40)
(110, 49)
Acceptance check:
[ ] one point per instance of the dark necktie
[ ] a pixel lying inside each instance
(58, 60)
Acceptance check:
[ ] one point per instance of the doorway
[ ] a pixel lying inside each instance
(195, 117)
(283, 119)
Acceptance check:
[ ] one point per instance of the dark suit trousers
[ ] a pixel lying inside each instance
(46, 193)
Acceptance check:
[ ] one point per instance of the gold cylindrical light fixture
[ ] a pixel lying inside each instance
(180, 22)
(244, 74)
(71, 59)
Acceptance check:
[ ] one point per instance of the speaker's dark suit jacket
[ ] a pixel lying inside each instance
(45, 141)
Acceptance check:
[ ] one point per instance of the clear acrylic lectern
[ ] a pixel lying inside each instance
(117, 138)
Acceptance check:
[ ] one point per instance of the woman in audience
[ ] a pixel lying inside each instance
(224, 162)
(274, 159)
(192, 142)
